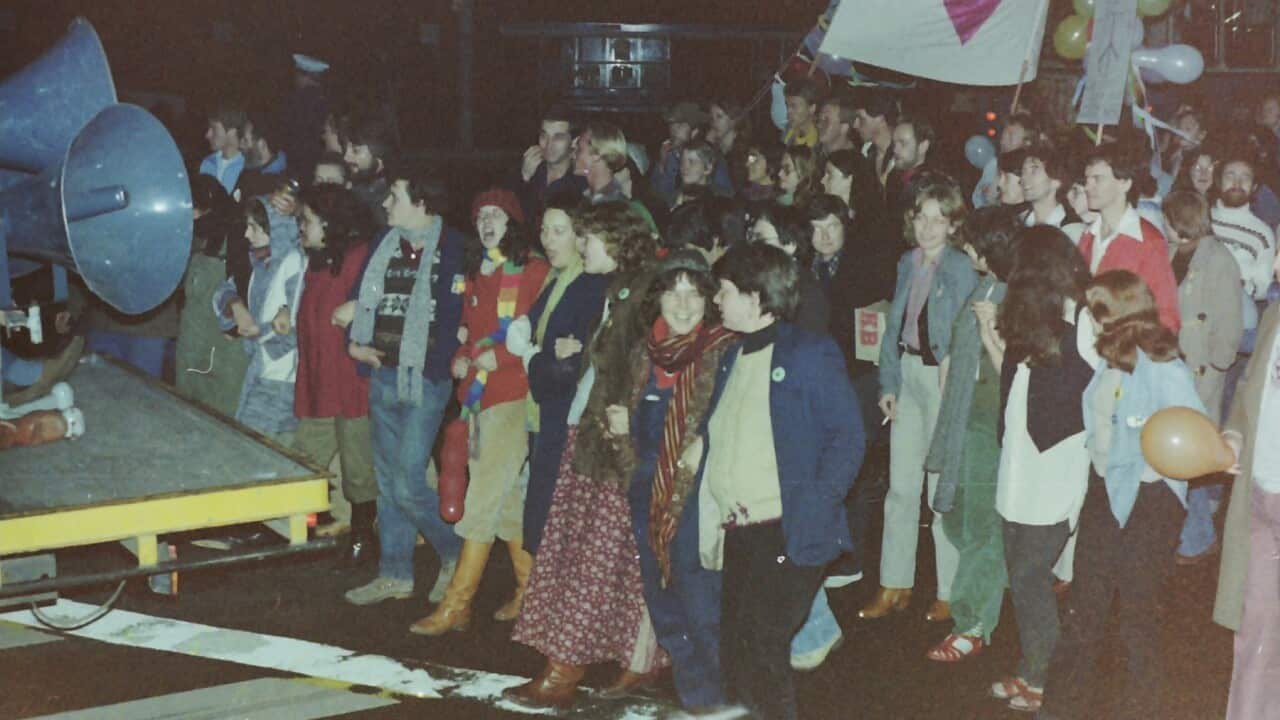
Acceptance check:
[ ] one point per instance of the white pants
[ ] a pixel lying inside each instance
(917, 406)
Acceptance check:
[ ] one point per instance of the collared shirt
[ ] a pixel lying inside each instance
(921, 281)
(826, 269)
(1130, 224)
(1055, 218)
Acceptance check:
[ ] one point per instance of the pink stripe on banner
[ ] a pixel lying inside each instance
(968, 15)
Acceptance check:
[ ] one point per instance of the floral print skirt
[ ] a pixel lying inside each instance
(585, 601)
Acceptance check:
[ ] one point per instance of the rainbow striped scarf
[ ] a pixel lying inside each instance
(508, 295)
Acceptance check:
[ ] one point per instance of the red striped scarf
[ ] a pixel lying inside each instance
(682, 356)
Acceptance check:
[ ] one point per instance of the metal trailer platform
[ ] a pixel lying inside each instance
(149, 463)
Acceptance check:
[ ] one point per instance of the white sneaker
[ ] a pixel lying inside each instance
(381, 588)
(812, 659)
(839, 581)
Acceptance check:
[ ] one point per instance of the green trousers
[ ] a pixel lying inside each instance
(974, 526)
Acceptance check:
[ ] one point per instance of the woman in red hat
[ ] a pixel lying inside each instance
(503, 282)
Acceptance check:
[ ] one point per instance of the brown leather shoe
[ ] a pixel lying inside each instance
(939, 611)
(556, 686)
(887, 601)
(626, 682)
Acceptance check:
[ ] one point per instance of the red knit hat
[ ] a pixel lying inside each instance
(499, 198)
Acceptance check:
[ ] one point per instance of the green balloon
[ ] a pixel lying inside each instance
(1072, 37)
(1151, 8)
(1084, 8)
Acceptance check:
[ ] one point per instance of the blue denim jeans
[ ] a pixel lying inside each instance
(403, 435)
(1198, 532)
(685, 614)
(819, 629)
(19, 371)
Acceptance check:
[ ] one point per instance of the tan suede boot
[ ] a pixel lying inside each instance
(454, 612)
(522, 565)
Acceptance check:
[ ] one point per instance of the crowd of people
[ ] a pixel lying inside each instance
(660, 375)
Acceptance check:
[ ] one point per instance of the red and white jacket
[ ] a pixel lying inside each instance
(1139, 247)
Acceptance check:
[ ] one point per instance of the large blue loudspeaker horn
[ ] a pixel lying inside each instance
(44, 105)
(115, 207)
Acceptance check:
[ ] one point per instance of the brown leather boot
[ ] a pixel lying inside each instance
(556, 686)
(939, 611)
(887, 601)
(454, 612)
(522, 565)
(628, 681)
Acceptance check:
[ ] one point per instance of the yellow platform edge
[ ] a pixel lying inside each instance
(156, 516)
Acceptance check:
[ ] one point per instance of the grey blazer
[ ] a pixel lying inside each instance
(1212, 319)
(954, 279)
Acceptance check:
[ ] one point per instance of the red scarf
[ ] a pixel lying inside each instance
(679, 356)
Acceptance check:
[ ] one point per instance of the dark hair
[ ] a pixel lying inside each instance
(704, 282)
(736, 111)
(690, 225)
(804, 159)
(267, 128)
(375, 134)
(1028, 122)
(921, 128)
(1129, 160)
(992, 233)
(767, 271)
(879, 103)
(561, 113)
(865, 199)
(230, 117)
(347, 222)
(514, 246)
(728, 221)
(626, 235)
(705, 152)
(1186, 212)
(824, 205)
(803, 87)
(422, 185)
(846, 107)
(1208, 149)
(792, 227)
(1237, 152)
(770, 151)
(255, 209)
(1047, 271)
(1011, 161)
(1057, 164)
(1123, 304)
(217, 227)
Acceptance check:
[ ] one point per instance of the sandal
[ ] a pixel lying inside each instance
(1021, 696)
(955, 648)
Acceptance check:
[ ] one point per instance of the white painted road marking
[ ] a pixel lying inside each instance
(121, 627)
(261, 699)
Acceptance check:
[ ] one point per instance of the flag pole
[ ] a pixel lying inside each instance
(1026, 57)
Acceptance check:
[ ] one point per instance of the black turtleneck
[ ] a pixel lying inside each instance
(759, 339)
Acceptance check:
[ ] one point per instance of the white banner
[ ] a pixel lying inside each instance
(974, 42)
(1106, 64)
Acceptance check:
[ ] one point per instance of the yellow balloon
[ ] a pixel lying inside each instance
(1072, 37)
(1151, 8)
(1084, 8)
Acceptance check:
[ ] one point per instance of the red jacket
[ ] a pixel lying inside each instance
(480, 318)
(327, 383)
(1140, 248)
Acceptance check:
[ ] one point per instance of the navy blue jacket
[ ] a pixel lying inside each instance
(448, 282)
(552, 384)
(817, 437)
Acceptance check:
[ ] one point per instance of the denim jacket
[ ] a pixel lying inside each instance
(952, 282)
(1151, 387)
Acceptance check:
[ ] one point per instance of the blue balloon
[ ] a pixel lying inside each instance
(979, 151)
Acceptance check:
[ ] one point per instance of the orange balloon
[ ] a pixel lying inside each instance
(1181, 443)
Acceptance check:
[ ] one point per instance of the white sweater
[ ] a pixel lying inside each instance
(1251, 242)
